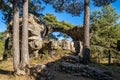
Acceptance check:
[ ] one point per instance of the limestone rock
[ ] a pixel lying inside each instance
(36, 30)
(40, 72)
(53, 44)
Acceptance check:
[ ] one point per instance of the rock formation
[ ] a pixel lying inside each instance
(37, 30)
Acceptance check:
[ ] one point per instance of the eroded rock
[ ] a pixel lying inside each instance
(40, 72)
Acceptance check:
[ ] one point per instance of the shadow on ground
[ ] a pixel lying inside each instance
(70, 68)
(6, 72)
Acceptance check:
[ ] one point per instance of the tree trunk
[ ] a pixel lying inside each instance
(24, 50)
(6, 48)
(16, 51)
(86, 51)
(109, 57)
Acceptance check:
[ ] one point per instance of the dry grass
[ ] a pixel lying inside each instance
(6, 67)
(47, 58)
(6, 71)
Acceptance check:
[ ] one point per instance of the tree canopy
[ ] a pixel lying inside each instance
(105, 28)
(52, 20)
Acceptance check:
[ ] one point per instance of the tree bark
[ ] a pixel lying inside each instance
(16, 51)
(24, 50)
(86, 52)
(109, 57)
(6, 48)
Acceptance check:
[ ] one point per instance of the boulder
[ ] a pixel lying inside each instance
(40, 72)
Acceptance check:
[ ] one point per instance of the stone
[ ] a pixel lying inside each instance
(72, 46)
(84, 70)
(52, 52)
(53, 44)
(40, 72)
(71, 59)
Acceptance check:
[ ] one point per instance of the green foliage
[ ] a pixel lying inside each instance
(74, 7)
(52, 20)
(1, 47)
(105, 18)
(102, 2)
(35, 7)
(106, 30)
(6, 9)
(2, 36)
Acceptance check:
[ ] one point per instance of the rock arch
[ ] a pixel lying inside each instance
(38, 30)
(76, 33)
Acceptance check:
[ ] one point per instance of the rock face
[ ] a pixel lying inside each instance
(64, 45)
(73, 46)
(53, 46)
(36, 30)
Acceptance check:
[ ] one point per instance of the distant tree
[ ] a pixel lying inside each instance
(104, 22)
(105, 30)
(50, 19)
(2, 36)
(6, 46)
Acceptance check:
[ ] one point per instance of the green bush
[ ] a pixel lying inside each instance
(1, 47)
(2, 36)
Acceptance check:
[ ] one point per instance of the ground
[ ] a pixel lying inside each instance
(6, 70)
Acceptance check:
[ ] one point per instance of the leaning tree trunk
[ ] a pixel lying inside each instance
(24, 50)
(16, 51)
(6, 48)
(86, 51)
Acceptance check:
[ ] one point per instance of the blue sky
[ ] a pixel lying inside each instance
(64, 16)
(2, 24)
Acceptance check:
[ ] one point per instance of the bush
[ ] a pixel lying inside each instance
(1, 47)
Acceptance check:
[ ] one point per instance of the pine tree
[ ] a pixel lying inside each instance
(24, 50)
(86, 47)
(16, 48)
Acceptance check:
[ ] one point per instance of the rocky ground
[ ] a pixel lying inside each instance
(69, 68)
(65, 68)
